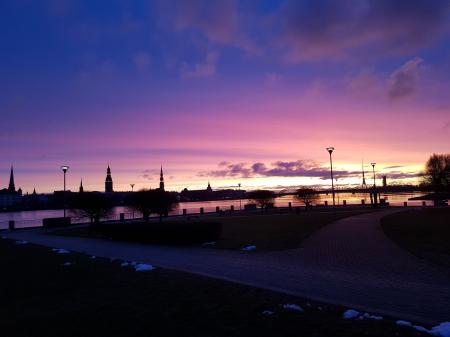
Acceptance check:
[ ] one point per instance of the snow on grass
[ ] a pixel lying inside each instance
(369, 316)
(441, 330)
(60, 251)
(67, 264)
(421, 328)
(350, 314)
(211, 243)
(249, 248)
(267, 313)
(124, 264)
(93, 257)
(293, 307)
(353, 314)
(143, 267)
(21, 242)
(4, 238)
(403, 323)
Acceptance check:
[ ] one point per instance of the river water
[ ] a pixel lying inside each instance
(34, 218)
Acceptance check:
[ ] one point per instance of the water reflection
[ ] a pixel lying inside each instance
(34, 218)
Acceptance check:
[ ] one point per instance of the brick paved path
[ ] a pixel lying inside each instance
(349, 262)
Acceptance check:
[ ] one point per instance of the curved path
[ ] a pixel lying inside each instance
(349, 262)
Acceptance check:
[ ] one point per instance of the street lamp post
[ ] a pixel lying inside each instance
(330, 151)
(374, 185)
(240, 197)
(64, 168)
(132, 187)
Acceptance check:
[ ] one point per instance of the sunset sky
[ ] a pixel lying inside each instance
(227, 91)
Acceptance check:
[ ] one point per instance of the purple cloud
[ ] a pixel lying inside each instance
(403, 81)
(219, 21)
(205, 69)
(299, 168)
(317, 29)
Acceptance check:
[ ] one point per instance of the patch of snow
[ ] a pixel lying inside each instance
(133, 263)
(4, 238)
(143, 267)
(441, 330)
(211, 243)
(267, 312)
(21, 242)
(124, 264)
(249, 248)
(421, 328)
(369, 316)
(60, 251)
(320, 308)
(403, 323)
(67, 264)
(93, 257)
(350, 314)
(294, 307)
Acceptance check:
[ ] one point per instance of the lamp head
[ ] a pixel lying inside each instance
(330, 149)
(373, 164)
(65, 168)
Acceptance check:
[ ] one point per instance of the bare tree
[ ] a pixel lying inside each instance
(437, 174)
(263, 198)
(150, 202)
(92, 205)
(307, 196)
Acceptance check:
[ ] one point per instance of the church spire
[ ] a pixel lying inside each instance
(11, 187)
(81, 186)
(161, 180)
(108, 181)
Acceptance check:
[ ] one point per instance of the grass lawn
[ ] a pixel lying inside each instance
(277, 231)
(265, 231)
(98, 297)
(423, 232)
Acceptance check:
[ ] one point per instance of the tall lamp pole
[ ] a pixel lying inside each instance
(132, 187)
(64, 168)
(374, 185)
(330, 151)
(240, 197)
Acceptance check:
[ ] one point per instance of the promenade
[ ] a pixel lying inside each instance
(349, 262)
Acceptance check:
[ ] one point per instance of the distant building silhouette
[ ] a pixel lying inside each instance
(209, 189)
(384, 181)
(11, 187)
(81, 190)
(108, 181)
(161, 180)
(9, 196)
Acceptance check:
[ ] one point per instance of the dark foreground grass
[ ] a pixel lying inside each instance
(265, 231)
(276, 231)
(425, 232)
(97, 297)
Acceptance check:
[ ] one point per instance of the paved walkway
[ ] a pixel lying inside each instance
(349, 262)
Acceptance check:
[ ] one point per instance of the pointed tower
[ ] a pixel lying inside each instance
(81, 190)
(108, 181)
(209, 189)
(161, 180)
(11, 187)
